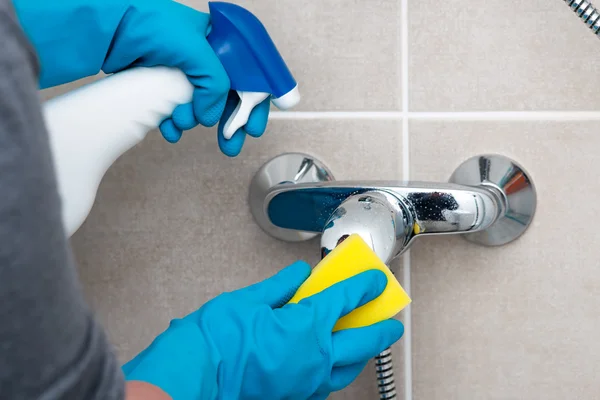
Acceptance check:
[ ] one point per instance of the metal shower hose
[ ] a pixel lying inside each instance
(587, 13)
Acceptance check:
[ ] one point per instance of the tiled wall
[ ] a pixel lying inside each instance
(392, 89)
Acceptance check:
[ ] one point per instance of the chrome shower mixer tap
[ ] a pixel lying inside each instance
(490, 199)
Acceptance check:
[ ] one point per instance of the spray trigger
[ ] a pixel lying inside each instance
(239, 117)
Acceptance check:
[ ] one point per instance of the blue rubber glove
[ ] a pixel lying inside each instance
(245, 345)
(79, 38)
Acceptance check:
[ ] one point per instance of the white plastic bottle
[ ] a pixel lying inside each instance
(94, 125)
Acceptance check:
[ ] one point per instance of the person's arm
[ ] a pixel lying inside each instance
(50, 345)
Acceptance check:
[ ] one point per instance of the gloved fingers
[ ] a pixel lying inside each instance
(212, 87)
(169, 131)
(344, 376)
(183, 117)
(257, 122)
(277, 290)
(351, 346)
(208, 115)
(233, 146)
(340, 299)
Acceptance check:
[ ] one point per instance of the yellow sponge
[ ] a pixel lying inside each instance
(350, 258)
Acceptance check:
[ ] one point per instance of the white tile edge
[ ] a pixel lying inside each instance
(459, 116)
(407, 313)
(508, 115)
(408, 381)
(407, 320)
(303, 115)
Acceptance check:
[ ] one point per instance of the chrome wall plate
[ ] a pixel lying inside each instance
(287, 169)
(516, 192)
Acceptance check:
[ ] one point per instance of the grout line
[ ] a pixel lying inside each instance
(407, 314)
(404, 55)
(463, 115)
(335, 115)
(509, 115)
(405, 150)
(408, 381)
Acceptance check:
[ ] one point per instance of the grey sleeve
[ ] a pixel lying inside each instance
(51, 347)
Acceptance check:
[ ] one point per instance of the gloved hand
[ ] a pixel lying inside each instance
(78, 38)
(245, 345)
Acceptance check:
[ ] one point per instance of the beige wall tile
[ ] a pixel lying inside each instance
(520, 321)
(171, 227)
(500, 55)
(345, 55)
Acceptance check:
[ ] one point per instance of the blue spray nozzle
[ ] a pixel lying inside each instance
(249, 55)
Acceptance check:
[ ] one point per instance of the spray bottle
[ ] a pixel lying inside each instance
(94, 125)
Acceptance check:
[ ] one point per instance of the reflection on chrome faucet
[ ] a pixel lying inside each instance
(491, 199)
(435, 207)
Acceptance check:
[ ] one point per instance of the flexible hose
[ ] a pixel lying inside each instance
(587, 13)
(384, 367)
